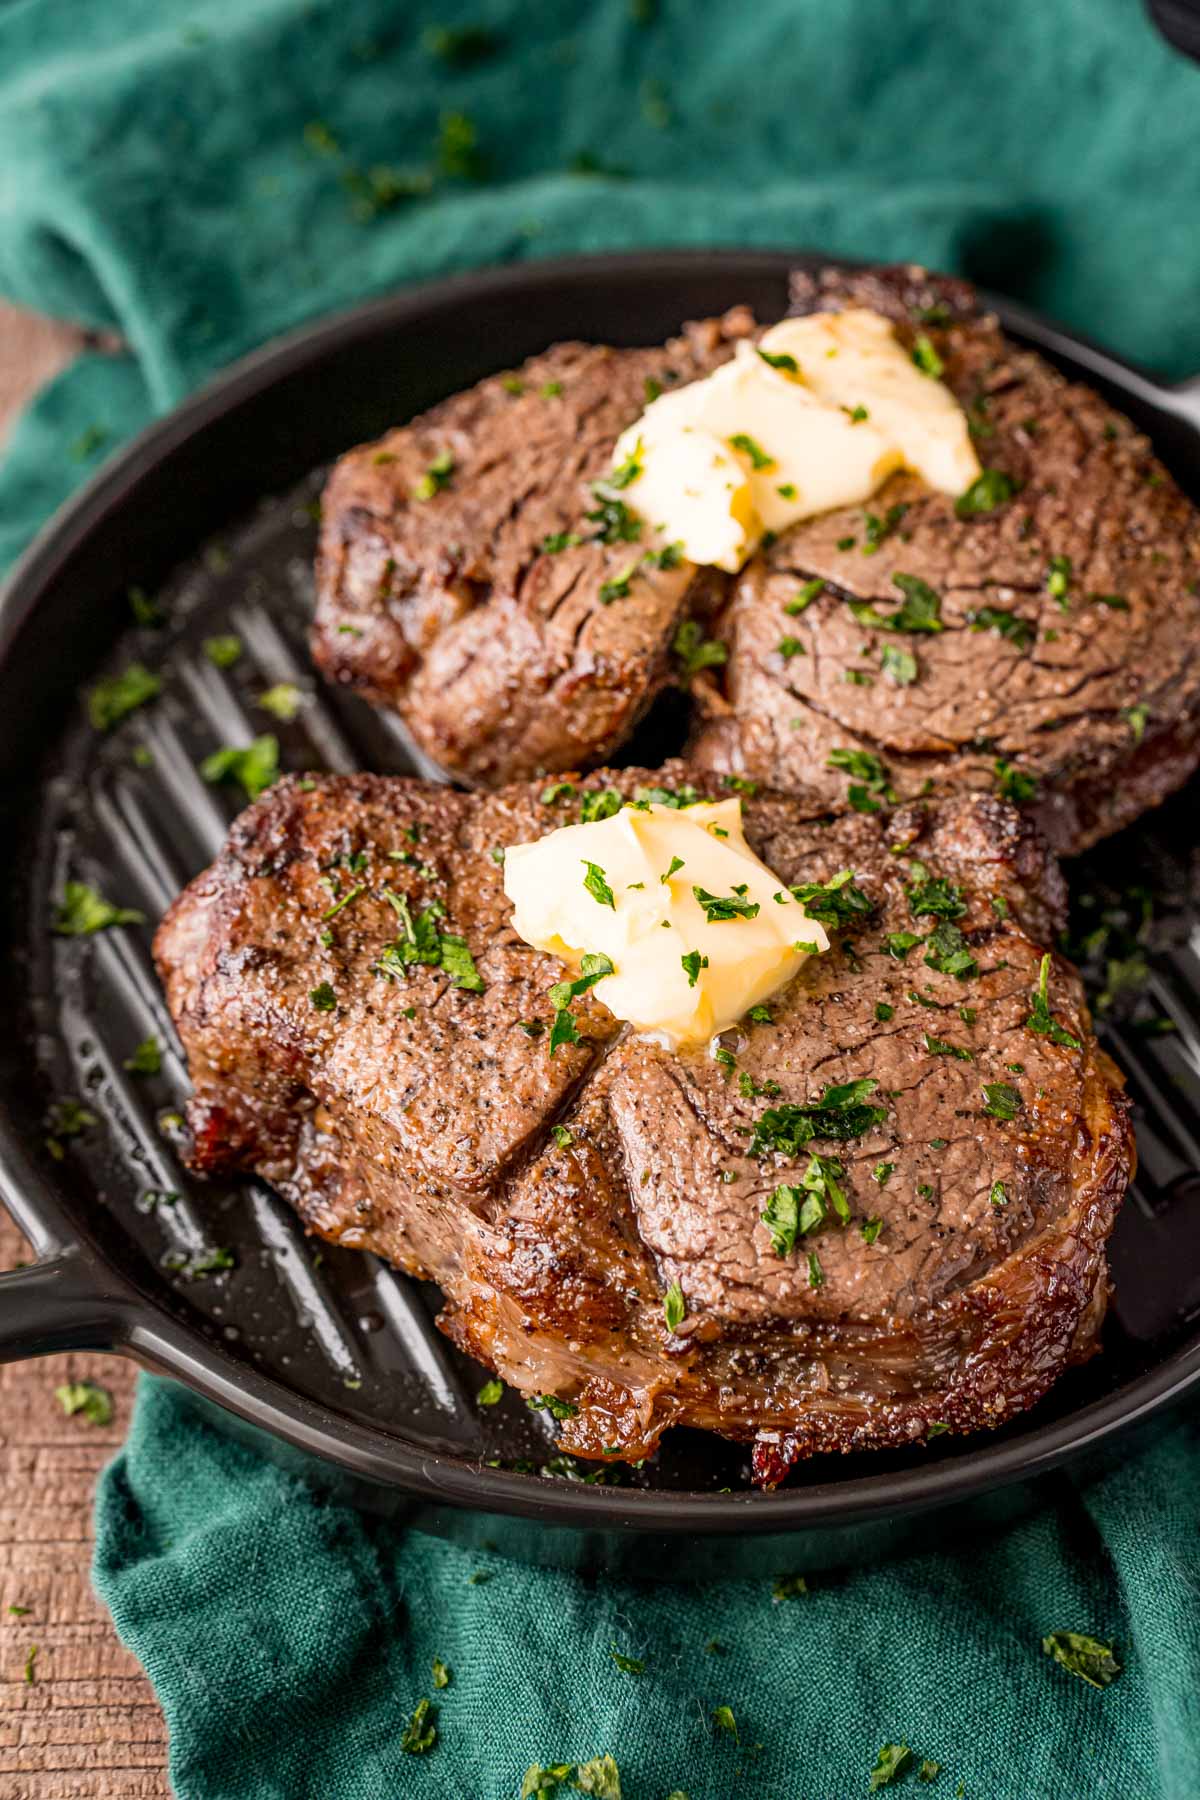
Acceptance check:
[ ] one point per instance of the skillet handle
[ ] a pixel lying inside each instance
(55, 1305)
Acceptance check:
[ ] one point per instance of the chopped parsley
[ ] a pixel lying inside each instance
(760, 1015)
(926, 357)
(550, 1403)
(877, 530)
(1001, 1100)
(741, 784)
(615, 522)
(627, 472)
(869, 777)
(598, 803)
(436, 477)
(594, 966)
(283, 701)
(693, 962)
(674, 1307)
(86, 1397)
(1015, 784)
(112, 699)
(224, 650)
(857, 415)
(695, 651)
(788, 1587)
(883, 1012)
(946, 951)
(1019, 632)
(558, 541)
(83, 911)
(811, 591)
(628, 1665)
(721, 907)
(788, 647)
(1058, 580)
(899, 943)
(676, 798)
(669, 557)
(676, 864)
(937, 1046)
(67, 1118)
(146, 1059)
(146, 611)
(1136, 717)
(490, 1394)
(921, 610)
(870, 1229)
(556, 791)
(836, 902)
(617, 586)
(1084, 1656)
(883, 1172)
(323, 997)
(781, 360)
(597, 886)
(933, 897)
(990, 489)
(256, 766)
(1041, 1019)
(724, 1720)
(998, 1194)
(423, 941)
(748, 447)
(1117, 602)
(420, 1734)
(841, 1112)
(900, 664)
(816, 1274)
(893, 1759)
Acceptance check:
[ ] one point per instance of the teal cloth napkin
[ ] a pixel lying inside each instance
(201, 174)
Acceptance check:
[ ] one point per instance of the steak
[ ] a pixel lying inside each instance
(366, 1032)
(1064, 660)
(437, 594)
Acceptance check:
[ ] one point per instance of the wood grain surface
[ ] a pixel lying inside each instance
(87, 1726)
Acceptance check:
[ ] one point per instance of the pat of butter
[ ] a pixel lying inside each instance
(759, 445)
(651, 860)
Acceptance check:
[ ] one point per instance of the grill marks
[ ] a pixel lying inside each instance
(431, 1140)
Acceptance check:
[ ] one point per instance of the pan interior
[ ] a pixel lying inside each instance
(128, 812)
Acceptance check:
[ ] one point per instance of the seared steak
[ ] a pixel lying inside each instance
(1064, 660)
(460, 582)
(412, 1107)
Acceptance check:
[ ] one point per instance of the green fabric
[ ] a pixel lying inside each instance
(156, 178)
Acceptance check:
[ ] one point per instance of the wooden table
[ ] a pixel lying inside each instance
(87, 1727)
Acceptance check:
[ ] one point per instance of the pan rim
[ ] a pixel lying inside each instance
(143, 1328)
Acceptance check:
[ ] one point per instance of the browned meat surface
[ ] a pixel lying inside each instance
(436, 596)
(1069, 648)
(556, 1199)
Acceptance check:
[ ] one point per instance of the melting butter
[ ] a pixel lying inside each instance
(682, 972)
(817, 415)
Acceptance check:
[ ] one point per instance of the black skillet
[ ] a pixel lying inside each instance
(327, 1352)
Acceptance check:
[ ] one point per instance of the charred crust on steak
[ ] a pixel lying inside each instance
(429, 1139)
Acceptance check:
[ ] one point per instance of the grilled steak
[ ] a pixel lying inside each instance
(1056, 652)
(1064, 660)
(460, 581)
(384, 1062)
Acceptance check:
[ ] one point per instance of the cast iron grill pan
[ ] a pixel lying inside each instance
(332, 1350)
